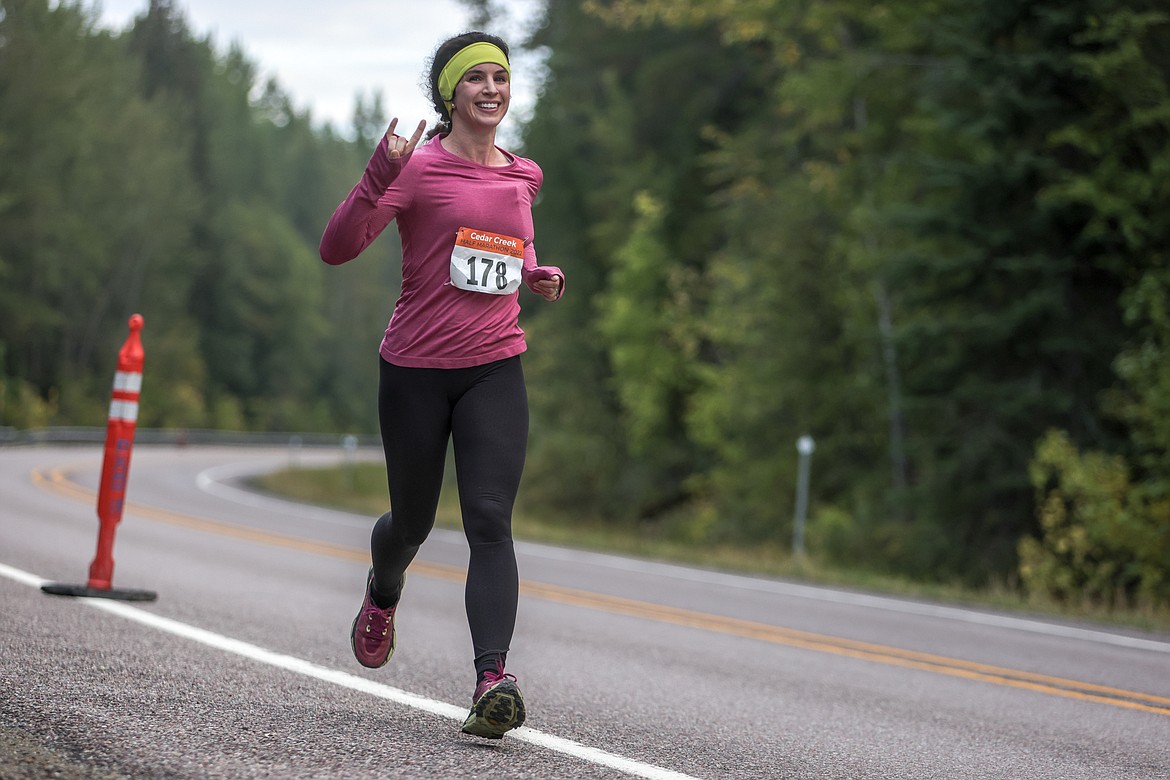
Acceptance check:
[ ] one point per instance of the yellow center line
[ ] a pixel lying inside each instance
(57, 480)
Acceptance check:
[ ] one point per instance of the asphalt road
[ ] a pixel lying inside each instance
(241, 668)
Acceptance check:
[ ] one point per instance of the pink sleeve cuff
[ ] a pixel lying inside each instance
(542, 272)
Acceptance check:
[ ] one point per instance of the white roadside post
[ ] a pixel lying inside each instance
(349, 445)
(294, 452)
(805, 446)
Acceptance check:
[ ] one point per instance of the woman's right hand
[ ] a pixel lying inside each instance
(396, 145)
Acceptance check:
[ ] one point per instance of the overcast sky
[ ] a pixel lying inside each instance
(323, 54)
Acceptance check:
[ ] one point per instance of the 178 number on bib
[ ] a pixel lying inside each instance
(490, 272)
(486, 262)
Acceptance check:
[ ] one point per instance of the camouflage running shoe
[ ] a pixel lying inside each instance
(498, 706)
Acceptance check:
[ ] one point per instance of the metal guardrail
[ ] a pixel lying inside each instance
(13, 437)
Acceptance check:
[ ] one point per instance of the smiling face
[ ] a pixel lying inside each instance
(482, 95)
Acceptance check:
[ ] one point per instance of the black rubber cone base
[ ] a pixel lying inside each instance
(121, 594)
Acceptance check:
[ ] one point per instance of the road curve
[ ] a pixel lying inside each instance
(241, 667)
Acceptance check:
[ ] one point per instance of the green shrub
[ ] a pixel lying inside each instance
(1103, 541)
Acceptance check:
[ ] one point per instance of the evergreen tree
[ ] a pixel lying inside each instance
(1105, 515)
(97, 208)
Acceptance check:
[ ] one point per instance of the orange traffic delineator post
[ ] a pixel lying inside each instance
(115, 473)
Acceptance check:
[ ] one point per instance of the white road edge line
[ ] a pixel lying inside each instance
(346, 680)
(214, 481)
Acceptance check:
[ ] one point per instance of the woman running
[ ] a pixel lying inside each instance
(450, 359)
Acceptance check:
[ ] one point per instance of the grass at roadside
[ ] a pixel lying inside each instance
(361, 488)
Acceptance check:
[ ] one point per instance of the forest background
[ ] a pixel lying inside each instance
(932, 235)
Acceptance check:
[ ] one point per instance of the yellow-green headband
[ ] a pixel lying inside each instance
(464, 59)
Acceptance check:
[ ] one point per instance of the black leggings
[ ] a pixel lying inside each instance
(484, 411)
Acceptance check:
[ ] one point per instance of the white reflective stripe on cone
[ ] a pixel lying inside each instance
(128, 382)
(126, 411)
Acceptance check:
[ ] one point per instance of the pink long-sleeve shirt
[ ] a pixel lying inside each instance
(432, 193)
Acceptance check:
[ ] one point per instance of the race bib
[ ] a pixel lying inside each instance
(486, 262)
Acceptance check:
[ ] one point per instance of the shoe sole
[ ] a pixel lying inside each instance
(497, 712)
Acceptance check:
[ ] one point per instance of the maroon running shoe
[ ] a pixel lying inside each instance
(372, 634)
